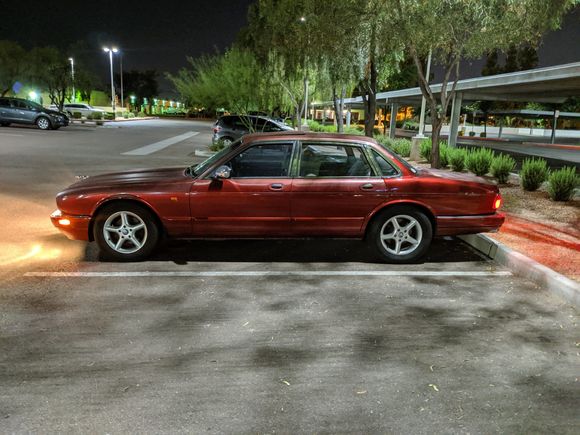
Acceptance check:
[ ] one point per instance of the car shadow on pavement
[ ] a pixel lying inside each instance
(296, 251)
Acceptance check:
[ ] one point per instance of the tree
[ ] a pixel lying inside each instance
(50, 69)
(460, 29)
(13, 65)
(234, 80)
(142, 84)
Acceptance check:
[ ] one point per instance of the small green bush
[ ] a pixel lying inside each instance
(97, 115)
(444, 154)
(77, 115)
(402, 147)
(471, 133)
(141, 115)
(533, 173)
(425, 150)
(315, 126)
(479, 161)
(457, 157)
(501, 166)
(562, 183)
(385, 141)
(131, 115)
(109, 115)
(126, 115)
(218, 146)
(482, 134)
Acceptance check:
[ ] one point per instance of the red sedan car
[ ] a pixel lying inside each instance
(276, 185)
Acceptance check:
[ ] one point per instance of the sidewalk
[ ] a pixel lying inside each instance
(558, 249)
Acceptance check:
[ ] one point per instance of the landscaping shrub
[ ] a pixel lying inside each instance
(479, 161)
(131, 115)
(457, 158)
(97, 115)
(218, 146)
(314, 126)
(562, 183)
(385, 141)
(533, 173)
(126, 115)
(482, 134)
(444, 154)
(501, 166)
(109, 115)
(472, 133)
(352, 130)
(141, 115)
(425, 150)
(77, 115)
(402, 147)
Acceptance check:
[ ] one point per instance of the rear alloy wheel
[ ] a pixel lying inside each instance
(126, 232)
(226, 141)
(401, 234)
(43, 123)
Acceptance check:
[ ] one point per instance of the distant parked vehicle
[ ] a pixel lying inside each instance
(229, 128)
(19, 111)
(85, 110)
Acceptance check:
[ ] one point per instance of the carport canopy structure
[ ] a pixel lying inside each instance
(552, 84)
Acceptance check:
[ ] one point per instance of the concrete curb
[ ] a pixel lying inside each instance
(203, 153)
(525, 267)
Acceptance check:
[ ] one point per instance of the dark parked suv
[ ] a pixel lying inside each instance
(231, 127)
(19, 111)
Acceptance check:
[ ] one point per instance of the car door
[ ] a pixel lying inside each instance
(23, 112)
(6, 112)
(253, 202)
(335, 189)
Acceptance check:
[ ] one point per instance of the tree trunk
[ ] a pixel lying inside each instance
(371, 100)
(338, 104)
(436, 124)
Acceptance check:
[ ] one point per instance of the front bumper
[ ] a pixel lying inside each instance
(59, 121)
(74, 227)
(455, 225)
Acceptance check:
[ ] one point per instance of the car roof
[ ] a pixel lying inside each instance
(302, 135)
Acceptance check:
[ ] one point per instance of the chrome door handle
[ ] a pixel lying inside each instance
(367, 186)
(276, 186)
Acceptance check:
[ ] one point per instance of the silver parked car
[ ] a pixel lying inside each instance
(229, 128)
(84, 109)
(19, 111)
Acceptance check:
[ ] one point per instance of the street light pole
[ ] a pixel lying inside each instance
(121, 65)
(72, 73)
(111, 51)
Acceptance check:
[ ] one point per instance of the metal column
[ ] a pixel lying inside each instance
(393, 123)
(455, 114)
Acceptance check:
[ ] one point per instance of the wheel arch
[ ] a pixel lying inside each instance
(125, 200)
(402, 203)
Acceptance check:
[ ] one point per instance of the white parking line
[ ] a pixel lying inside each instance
(151, 148)
(232, 273)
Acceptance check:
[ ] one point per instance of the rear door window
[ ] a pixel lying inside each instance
(333, 160)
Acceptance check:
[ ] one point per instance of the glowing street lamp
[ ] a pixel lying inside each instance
(72, 73)
(111, 51)
(32, 95)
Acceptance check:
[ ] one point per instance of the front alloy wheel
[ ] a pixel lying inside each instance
(402, 234)
(125, 232)
(43, 123)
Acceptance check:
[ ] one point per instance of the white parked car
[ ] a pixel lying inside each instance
(84, 109)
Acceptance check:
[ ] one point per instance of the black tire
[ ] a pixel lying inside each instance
(405, 244)
(226, 141)
(123, 241)
(4, 124)
(43, 123)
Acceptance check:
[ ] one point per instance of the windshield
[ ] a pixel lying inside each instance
(200, 168)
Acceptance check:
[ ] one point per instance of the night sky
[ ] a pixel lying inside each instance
(160, 34)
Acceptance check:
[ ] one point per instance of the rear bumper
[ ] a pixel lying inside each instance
(74, 227)
(455, 225)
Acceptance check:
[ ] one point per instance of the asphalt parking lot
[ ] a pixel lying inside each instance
(258, 336)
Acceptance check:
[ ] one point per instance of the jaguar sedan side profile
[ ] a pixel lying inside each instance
(281, 185)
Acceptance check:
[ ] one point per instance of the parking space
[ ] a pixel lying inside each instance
(264, 336)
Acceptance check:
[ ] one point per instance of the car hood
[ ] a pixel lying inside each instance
(53, 112)
(139, 176)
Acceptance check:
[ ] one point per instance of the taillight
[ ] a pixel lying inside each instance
(497, 202)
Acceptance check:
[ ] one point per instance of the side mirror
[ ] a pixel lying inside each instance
(222, 172)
